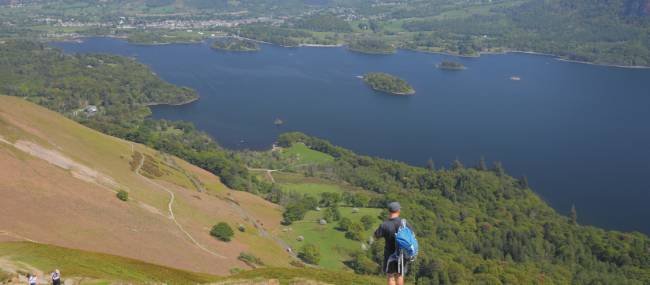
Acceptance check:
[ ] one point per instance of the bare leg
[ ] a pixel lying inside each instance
(392, 279)
(400, 279)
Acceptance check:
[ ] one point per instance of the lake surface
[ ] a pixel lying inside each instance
(580, 133)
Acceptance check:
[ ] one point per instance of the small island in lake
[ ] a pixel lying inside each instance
(235, 44)
(387, 83)
(450, 65)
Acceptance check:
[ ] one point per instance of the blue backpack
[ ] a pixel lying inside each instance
(406, 242)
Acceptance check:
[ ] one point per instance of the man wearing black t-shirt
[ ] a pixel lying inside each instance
(387, 231)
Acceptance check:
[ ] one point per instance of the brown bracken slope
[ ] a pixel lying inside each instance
(58, 182)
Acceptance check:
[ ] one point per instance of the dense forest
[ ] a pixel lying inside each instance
(371, 45)
(279, 36)
(67, 83)
(477, 225)
(235, 44)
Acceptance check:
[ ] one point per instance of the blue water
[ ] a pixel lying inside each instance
(580, 133)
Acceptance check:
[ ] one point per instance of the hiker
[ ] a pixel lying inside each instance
(394, 265)
(56, 277)
(32, 279)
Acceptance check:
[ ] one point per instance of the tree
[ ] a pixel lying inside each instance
(222, 231)
(295, 211)
(355, 231)
(123, 195)
(310, 253)
(344, 224)
(482, 165)
(457, 165)
(328, 199)
(362, 264)
(367, 221)
(356, 199)
(332, 214)
(573, 215)
(498, 169)
(523, 182)
(430, 164)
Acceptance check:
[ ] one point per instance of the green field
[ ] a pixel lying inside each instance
(334, 246)
(301, 154)
(312, 188)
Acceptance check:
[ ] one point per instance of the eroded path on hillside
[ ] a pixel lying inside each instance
(170, 207)
(268, 172)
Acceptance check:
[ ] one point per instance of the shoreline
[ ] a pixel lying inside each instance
(556, 57)
(80, 39)
(321, 46)
(173, 104)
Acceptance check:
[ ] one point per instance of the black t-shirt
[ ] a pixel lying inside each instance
(387, 231)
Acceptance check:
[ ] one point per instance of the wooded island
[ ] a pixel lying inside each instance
(388, 83)
(450, 65)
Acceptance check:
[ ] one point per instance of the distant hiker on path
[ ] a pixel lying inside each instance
(32, 279)
(56, 277)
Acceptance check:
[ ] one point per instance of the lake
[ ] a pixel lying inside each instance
(579, 132)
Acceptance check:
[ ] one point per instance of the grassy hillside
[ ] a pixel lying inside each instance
(334, 246)
(59, 181)
(96, 268)
(301, 154)
(78, 263)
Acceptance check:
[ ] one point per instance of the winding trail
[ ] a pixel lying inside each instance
(268, 172)
(172, 197)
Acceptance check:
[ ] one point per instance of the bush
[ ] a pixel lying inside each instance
(344, 224)
(332, 214)
(123, 195)
(362, 264)
(294, 212)
(250, 259)
(222, 231)
(355, 231)
(297, 263)
(5, 276)
(367, 221)
(310, 253)
(329, 199)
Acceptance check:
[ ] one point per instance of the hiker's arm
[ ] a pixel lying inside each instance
(379, 233)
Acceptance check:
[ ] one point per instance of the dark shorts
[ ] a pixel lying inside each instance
(392, 267)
